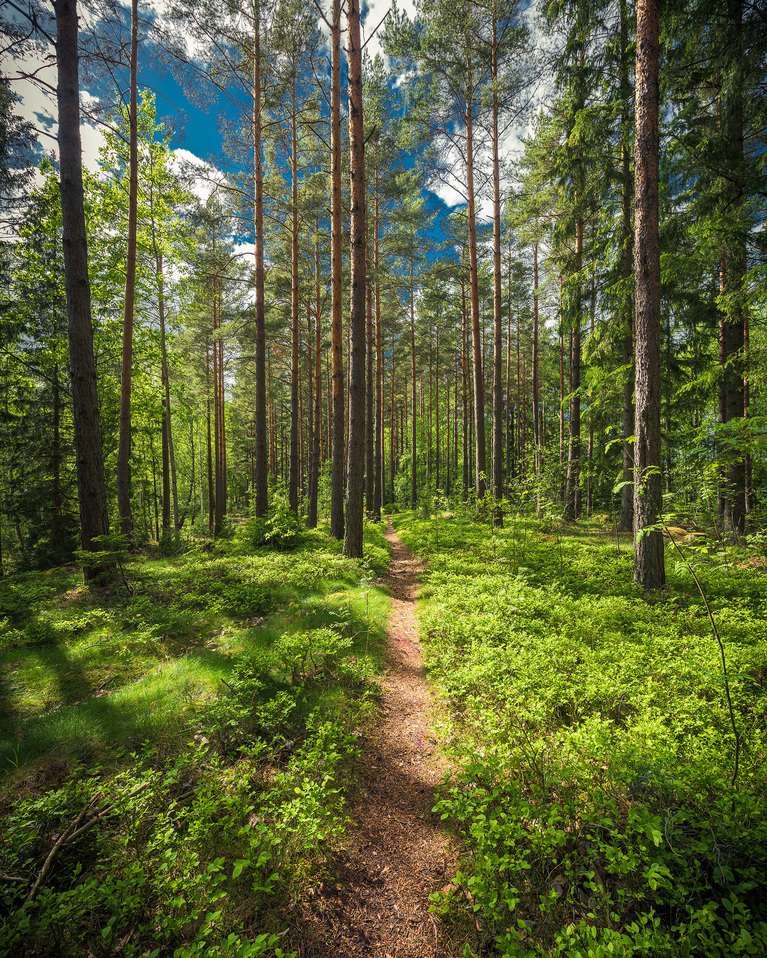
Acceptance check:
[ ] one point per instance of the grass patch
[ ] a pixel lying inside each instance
(205, 723)
(595, 742)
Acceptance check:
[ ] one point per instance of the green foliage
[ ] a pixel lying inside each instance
(595, 745)
(281, 529)
(238, 740)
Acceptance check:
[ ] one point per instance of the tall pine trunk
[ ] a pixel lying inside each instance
(91, 487)
(262, 461)
(294, 405)
(480, 483)
(355, 484)
(378, 481)
(497, 305)
(126, 369)
(626, 521)
(336, 327)
(649, 568)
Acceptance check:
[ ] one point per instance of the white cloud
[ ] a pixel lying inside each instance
(449, 195)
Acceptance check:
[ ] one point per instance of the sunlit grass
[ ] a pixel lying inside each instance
(87, 674)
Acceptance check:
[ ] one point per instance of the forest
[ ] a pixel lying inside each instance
(383, 530)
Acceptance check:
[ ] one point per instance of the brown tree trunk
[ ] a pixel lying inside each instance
(211, 492)
(497, 294)
(262, 462)
(746, 402)
(479, 384)
(561, 373)
(464, 391)
(314, 469)
(294, 404)
(91, 488)
(56, 497)
(378, 482)
(413, 444)
(735, 275)
(510, 452)
(626, 521)
(392, 435)
(355, 485)
(124, 447)
(336, 327)
(369, 396)
(436, 407)
(572, 482)
(649, 568)
(536, 403)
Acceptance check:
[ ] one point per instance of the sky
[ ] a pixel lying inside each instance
(194, 130)
(194, 133)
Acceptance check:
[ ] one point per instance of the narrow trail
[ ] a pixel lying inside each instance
(396, 854)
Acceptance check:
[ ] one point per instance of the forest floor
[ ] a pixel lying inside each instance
(396, 853)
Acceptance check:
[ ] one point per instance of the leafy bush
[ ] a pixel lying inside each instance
(281, 529)
(595, 745)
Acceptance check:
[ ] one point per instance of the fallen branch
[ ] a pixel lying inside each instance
(51, 855)
(70, 835)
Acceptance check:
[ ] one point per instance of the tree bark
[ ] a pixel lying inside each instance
(336, 327)
(497, 294)
(464, 396)
(626, 521)
(735, 274)
(355, 485)
(124, 447)
(370, 421)
(262, 461)
(479, 384)
(649, 568)
(537, 464)
(294, 411)
(314, 475)
(378, 482)
(91, 488)
(414, 448)
(572, 483)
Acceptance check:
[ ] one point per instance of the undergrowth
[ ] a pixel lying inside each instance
(177, 750)
(594, 743)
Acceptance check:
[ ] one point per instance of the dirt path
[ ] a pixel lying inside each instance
(397, 854)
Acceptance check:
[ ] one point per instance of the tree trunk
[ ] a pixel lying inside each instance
(378, 482)
(314, 475)
(649, 569)
(211, 492)
(369, 396)
(414, 448)
(124, 447)
(537, 465)
(392, 434)
(464, 397)
(294, 412)
(479, 384)
(339, 448)
(355, 485)
(91, 488)
(626, 521)
(735, 278)
(56, 497)
(262, 461)
(436, 407)
(572, 482)
(497, 293)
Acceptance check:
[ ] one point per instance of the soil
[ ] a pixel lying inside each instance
(377, 904)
